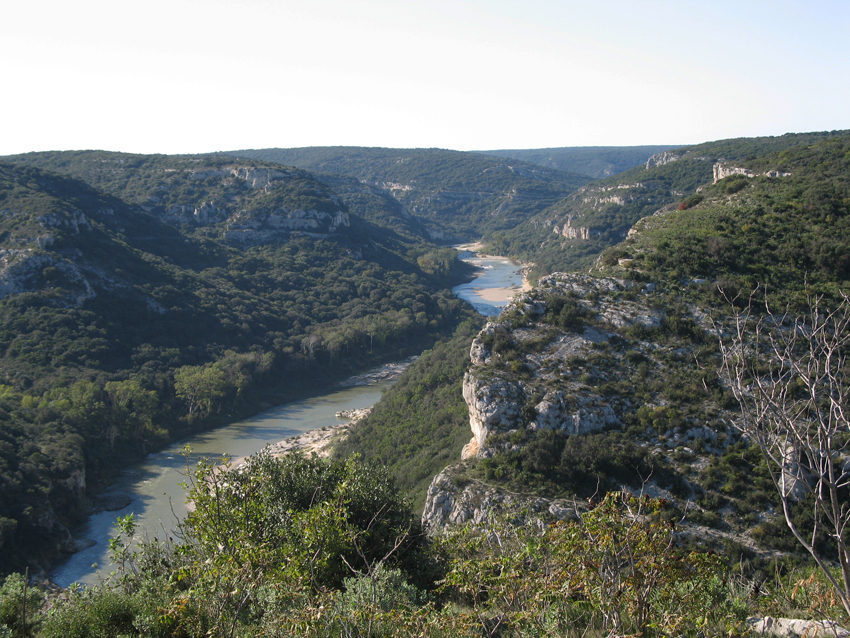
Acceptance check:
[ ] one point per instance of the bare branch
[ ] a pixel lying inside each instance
(790, 376)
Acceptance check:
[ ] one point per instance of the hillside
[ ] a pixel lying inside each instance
(597, 162)
(610, 380)
(128, 319)
(579, 461)
(458, 195)
(570, 234)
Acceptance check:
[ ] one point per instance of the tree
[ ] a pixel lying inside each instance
(19, 605)
(200, 387)
(789, 373)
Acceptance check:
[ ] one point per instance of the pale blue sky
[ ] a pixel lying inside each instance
(185, 76)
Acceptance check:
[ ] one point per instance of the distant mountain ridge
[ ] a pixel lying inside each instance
(458, 195)
(594, 161)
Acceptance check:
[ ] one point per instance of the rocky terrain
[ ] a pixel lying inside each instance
(581, 357)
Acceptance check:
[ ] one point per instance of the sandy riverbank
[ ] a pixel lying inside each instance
(497, 294)
(502, 294)
(321, 441)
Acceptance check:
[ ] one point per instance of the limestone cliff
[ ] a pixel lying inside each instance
(504, 399)
(722, 170)
(454, 500)
(561, 358)
(256, 206)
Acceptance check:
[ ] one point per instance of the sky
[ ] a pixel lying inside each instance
(192, 76)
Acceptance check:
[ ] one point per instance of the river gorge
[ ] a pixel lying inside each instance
(152, 490)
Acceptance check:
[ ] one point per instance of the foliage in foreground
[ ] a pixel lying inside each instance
(303, 546)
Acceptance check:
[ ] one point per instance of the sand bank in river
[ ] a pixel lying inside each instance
(502, 294)
(497, 295)
(321, 441)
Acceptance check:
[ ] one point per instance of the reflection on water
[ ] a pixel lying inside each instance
(158, 500)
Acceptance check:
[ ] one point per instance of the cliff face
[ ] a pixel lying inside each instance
(548, 386)
(577, 356)
(454, 500)
(257, 205)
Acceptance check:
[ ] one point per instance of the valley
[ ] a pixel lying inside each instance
(147, 299)
(152, 491)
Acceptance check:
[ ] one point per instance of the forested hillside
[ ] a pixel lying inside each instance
(610, 485)
(570, 234)
(594, 161)
(595, 382)
(186, 293)
(458, 195)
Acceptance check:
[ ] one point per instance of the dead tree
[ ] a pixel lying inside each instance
(789, 373)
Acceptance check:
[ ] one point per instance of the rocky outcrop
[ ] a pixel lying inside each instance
(73, 220)
(261, 177)
(394, 186)
(494, 406)
(261, 228)
(660, 159)
(499, 402)
(582, 415)
(242, 221)
(21, 270)
(453, 500)
(619, 200)
(722, 170)
(796, 628)
(529, 371)
(572, 232)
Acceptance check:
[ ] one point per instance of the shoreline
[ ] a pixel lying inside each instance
(498, 295)
(321, 441)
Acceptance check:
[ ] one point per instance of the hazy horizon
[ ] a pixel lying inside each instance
(193, 76)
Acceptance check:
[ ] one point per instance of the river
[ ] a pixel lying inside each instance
(157, 498)
(497, 281)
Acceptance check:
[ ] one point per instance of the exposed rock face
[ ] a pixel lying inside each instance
(394, 186)
(531, 372)
(260, 177)
(796, 628)
(246, 224)
(76, 483)
(494, 406)
(20, 271)
(73, 220)
(721, 171)
(261, 228)
(660, 159)
(572, 232)
(498, 402)
(452, 503)
(619, 200)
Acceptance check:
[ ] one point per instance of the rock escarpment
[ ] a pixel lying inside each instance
(454, 500)
(249, 205)
(576, 357)
(723, 170)
(534, 391)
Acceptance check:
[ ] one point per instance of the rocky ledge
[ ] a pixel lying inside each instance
(562, 357)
